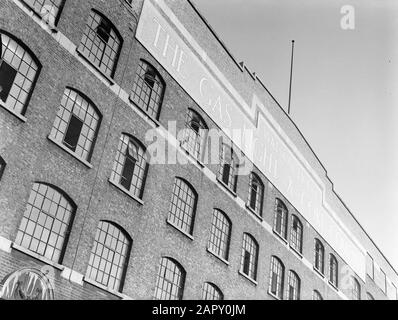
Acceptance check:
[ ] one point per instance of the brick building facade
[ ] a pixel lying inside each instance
(87, 214)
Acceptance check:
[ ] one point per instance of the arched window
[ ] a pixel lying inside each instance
(48, 9)
(109, 256)
(194, 134)
(211, 292)
(316, 295)
(280, 221)
(19, 70)
(277, 274)
(220, 234)
(2, 166)
(319, 256)
(170, 280)
(296, 234)
(47, 221)
(148, 89)
(294, 283)
(333, 271)
(369, 296)
(256, 194)
(130, 166)
(228, 167)
(182, 206)
(355, 289)
(76, 124)
(101, 43)
(249, 258)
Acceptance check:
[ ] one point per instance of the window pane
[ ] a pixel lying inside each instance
(147, 91)
(194, 134)
(296, 234)
(130, 165)
(356, 289)
(182, 206)
(40, 231)
(228, 163)
(276, 277)
(170, 280)
(48, 9)
(17, 74)
(280, 221)
(76, 124)
(127, 173)
(249, 256)
(293, 286)
(100, 43)
(319, 256)
(106, 258)
(211, 292)
(220, 234)
(256, 191)
(316, 295)
(333, 271)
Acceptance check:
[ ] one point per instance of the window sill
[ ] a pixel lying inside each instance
(254, 212)
(248, 278)
(33, 12)
(232, 192)
(319, 273)
(200, 163)
(280, 237)
(178, 229)
(126, 191)
(37, 256)
(273, 295)
(85, 162)
(298, 253)
(19, 116)
(333, 285)
(217, 256)
(146, 115)
(107, 78)
(101, 286)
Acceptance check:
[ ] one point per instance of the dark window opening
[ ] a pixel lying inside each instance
(73, 133)
(84, 136)
(246, 263)
(2, 166)
(104, 30)
(253, 198)
(150, 76)
(129, 164)
(225, 173)
(195, 124)
(274, 283)
(7, 77)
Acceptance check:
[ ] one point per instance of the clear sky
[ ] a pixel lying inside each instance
(345, 90)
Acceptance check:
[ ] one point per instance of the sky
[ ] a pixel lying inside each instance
(344, 93)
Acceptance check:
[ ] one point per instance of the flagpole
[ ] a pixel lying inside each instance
(291, 76)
